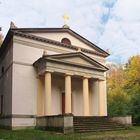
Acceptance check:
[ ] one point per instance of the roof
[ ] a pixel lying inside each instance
(61, 58)
(24, 33)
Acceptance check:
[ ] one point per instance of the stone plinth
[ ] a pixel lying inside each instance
(58, 123)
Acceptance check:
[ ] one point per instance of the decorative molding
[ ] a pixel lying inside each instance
(41, 39)
(62, 30)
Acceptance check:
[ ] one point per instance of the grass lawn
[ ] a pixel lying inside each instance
(130, 134)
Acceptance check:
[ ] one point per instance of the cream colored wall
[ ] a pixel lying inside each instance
(24, 85)
(77, 97)
(24, 90)
(6, 84)
(94, 98)
(78, 60)
(97, 58)
(60, 36)
(26, 54)
(23, 122)
(6, 59)
(6, 91)
(57, 89)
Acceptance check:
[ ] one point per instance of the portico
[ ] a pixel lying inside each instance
(69, 73)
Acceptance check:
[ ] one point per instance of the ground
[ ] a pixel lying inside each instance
(130, 134)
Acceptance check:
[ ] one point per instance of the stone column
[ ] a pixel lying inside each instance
(48, 87)
(101, 97)
(39, 96)
(67, 93)
(86, 96)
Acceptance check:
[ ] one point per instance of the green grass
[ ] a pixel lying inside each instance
(130, 134)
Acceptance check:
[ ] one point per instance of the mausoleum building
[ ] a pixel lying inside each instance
(50, 72)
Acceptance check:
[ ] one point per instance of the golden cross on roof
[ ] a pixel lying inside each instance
(65, 18)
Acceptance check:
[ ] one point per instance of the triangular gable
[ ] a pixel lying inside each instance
(79, 59)
(57, 34)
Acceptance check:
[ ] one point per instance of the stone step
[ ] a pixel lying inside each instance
(97, 130)
(93, 119)
(91, 124)
(101, 126)
(78, 126)
(84, 120)
(98, 125)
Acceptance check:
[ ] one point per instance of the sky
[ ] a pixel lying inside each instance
(110, 24)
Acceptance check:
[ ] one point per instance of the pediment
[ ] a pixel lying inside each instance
(78, 59)
(57, 34)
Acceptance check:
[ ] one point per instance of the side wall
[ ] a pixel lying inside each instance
(6, 86)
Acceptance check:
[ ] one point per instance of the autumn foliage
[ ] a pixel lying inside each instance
(123, 86)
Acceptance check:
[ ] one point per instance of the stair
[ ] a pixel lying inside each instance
(93, 124)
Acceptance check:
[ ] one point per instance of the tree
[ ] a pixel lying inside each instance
(117, 103)
(117, 97)
(132, 86)
(132, 75)
(123, 86)
(135, 108)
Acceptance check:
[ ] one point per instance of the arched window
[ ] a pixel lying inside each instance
(66, 41)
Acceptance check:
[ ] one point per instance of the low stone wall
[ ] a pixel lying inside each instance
(126, 120)
(58, 123)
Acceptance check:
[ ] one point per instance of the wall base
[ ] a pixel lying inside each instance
(58, 123)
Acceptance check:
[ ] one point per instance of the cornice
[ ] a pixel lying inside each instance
(57, 43)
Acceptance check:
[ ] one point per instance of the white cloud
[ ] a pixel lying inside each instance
(122, 33)
(112, 24)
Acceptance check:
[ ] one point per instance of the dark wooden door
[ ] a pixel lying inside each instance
(63, 103)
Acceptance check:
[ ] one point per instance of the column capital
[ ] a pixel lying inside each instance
(50, 71)
(86, 77)
(68, 74)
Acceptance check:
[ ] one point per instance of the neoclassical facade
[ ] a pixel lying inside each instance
(49, 72)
